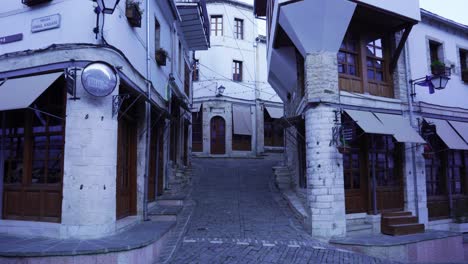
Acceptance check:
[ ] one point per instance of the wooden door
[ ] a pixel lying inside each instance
(355, 181)
(33, 146)
(218, 135)
(126, 168)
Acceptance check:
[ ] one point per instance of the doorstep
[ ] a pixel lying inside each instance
(139, 236)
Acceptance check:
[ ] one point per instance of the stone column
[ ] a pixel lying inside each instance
(325, 186)
(420, 199)
(89, 180)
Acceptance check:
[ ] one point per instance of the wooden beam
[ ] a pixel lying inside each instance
(399, 49)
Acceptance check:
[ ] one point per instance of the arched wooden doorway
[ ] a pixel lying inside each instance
(218, 135)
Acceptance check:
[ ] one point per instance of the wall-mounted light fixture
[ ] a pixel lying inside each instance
(434, 82)
(108, 6)
(220, 91)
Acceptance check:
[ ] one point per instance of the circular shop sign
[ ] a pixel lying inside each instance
(99, 79)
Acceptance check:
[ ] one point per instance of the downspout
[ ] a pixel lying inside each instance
(257, 105)
(147, 115)
(411, 116)
(2, 161)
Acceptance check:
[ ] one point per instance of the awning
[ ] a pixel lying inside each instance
(368, 122)
(196, 107)
(22, 92)
(447, 134)
(400, 128)
(461, 128)
(275, 112)
(242, 120)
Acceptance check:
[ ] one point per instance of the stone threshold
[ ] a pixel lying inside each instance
(382, 240)
(138, 236)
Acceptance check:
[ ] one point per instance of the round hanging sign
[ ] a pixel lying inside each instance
(99, 79)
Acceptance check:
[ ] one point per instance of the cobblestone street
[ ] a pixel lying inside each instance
(240, 217)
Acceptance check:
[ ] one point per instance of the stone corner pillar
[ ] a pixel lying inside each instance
(325, 185)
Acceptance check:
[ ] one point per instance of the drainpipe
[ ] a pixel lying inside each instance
(147, 115)
(411, 116)
(257, 104)
(2, 161)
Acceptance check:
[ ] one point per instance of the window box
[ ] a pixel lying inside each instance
(161, 56)
(438, 68)
(34, 2)
(465, 75)
(133, 14)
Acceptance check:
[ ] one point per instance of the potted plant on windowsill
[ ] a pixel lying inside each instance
(133, 13)
(161, 57)
(428, 152)
(438, 68)
(34, 2)
(464, 74)
(343, 148)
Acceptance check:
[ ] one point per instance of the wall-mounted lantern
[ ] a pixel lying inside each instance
(434, 82)
(108, 6)
(220, 91)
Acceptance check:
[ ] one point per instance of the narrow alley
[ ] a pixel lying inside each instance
(240, 217)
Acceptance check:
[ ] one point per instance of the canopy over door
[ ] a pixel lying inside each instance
(447, 134)
(368, 122)
(275, 112)
(400, 128)
(242, 120)
(22, 92)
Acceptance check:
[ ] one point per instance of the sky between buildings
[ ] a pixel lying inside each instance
(455, 10)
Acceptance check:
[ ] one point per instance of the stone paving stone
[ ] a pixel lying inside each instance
(234, 200)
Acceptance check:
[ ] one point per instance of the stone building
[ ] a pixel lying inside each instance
(93, 110)
(437, 42)
(240, 120)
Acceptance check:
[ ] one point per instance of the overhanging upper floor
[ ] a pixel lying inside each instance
(194, 23)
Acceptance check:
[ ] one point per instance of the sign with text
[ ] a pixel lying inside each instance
(11, 38)
(45, 23)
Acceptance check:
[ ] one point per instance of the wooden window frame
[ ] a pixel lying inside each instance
(238, 28)
(237, 71)
(216, 22)
(361, 83)
(157, 34)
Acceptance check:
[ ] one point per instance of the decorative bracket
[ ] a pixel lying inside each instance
(117, 101)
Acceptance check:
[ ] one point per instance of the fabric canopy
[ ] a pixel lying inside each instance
(242, 120)
(400, 128)
(368, 122)
(447, 134)
(461, 128)
(275, 112)
(22, 92)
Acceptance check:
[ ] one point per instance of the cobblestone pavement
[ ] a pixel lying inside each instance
(239, 217)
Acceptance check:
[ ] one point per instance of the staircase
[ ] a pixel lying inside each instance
(282, 177)
(400, 223)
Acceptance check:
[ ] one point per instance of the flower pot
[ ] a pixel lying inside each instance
(34, 2)
(161, 57)
(132, 12)
(440, 70)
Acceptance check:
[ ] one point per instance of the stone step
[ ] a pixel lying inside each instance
(403, 229)
(169, 202)
(164, 218)
(399, 220)
(358, 229)
(165, 212)
(400, 213)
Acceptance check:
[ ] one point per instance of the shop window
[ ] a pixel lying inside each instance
(33, 147)
(241, 142)
(197, 131)
(237, 71)
(216, 25)
(238, 28)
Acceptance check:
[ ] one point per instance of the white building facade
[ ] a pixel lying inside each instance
(73, 165)
(240, 121)
(439, 42)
